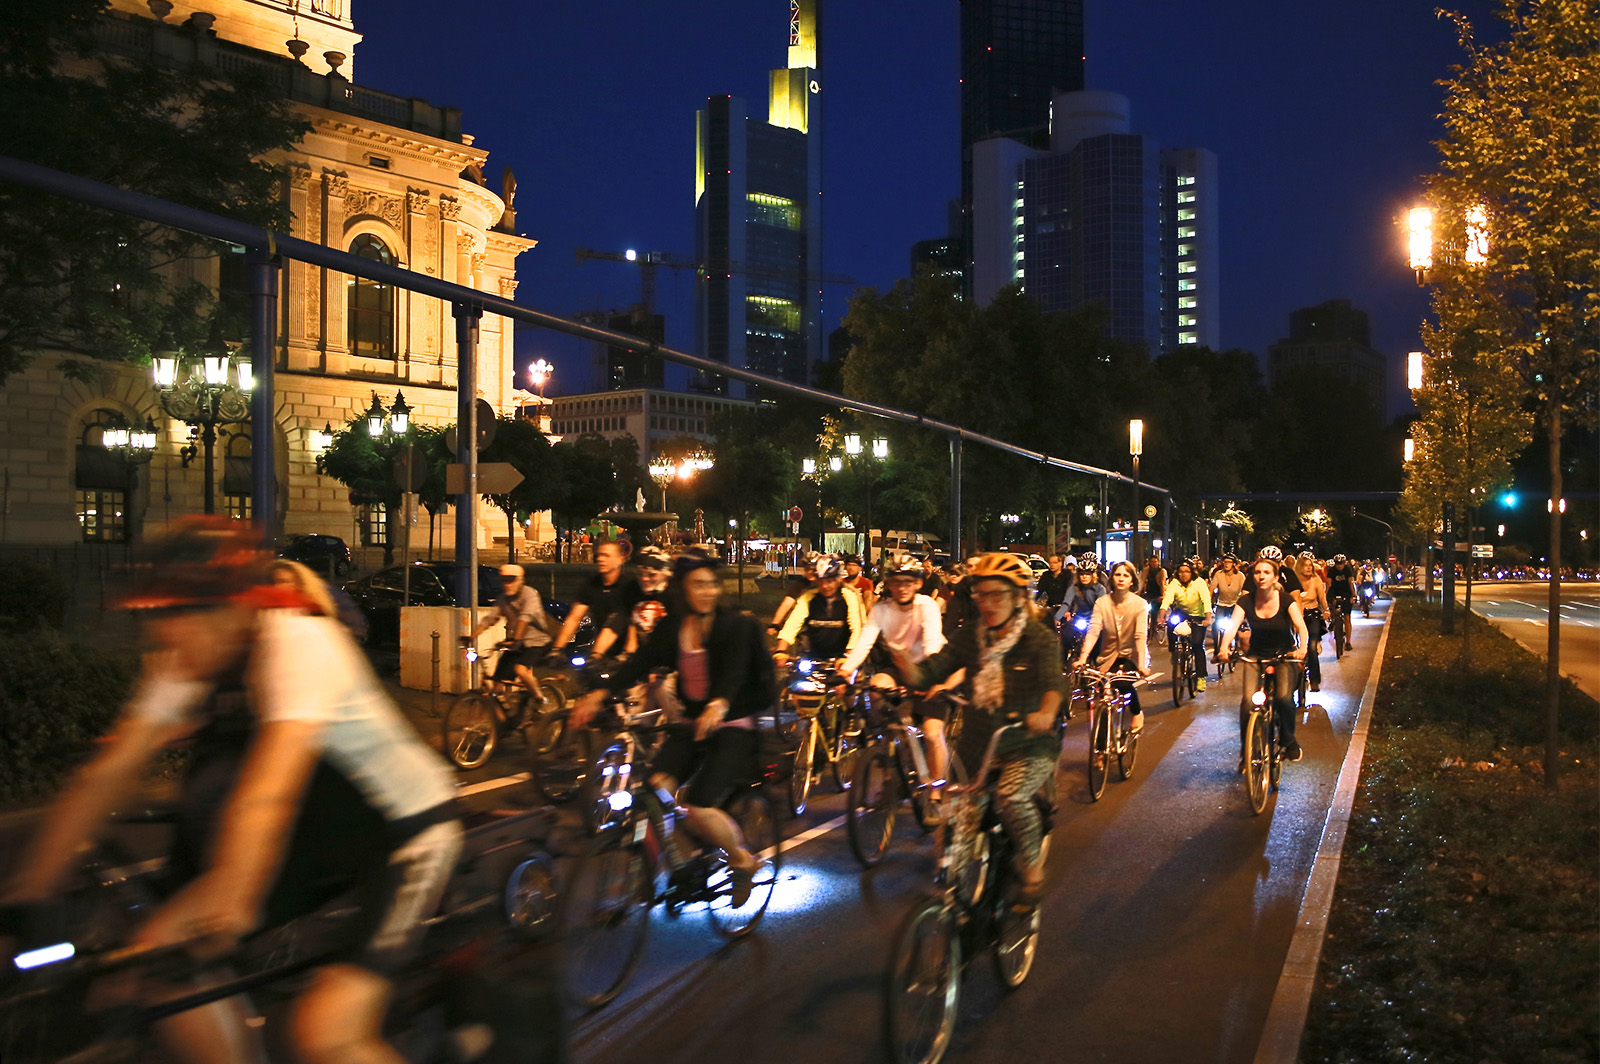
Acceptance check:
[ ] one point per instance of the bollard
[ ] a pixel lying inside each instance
(435, 674)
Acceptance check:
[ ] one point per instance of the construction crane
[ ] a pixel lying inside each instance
(650, 261)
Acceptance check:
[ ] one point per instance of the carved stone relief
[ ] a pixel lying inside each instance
(358, 201)
(449, 208)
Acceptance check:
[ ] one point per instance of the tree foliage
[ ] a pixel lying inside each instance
(99, 285)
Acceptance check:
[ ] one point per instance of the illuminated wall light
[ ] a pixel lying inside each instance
(1414, 370)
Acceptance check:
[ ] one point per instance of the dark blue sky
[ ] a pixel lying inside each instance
(1321, 116)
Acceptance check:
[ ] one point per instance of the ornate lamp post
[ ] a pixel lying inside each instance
(203, 392)
(135, 445)
(539, 375)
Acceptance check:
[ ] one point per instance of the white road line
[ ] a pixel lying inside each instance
(790, 845)
(465, 789)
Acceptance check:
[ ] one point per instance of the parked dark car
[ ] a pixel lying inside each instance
(326, 555)
(380, 597)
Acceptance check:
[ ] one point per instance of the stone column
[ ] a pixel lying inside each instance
(335, 334)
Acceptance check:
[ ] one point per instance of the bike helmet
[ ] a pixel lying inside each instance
(653, 557)
(1269, 554)
(828, 565)
(200, 560)
(692, 559)
(1307, 556)
(1088, 560)
(1339, 559)
(999, 565)
(905, 567)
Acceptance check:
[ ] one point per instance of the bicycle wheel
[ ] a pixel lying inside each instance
(804, 755)
(531, 898)
(1099, 752)
(1255, 768)
(549, 720)
(1177, 679)
(923, 988)
(567, 772)
(1339, 644)
(847, 755)
(606, 917)
(469, 734)
(1127, 748)
(758, 822)
(1274, 756)
(873, 800)
(1016, 937)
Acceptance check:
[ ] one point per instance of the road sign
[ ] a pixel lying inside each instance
(486, 428)
(795, 514)
(1144, 526)
(1483, 550)
(494, 478)
(1149, 511)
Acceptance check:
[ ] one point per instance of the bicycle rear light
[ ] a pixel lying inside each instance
(38, 958)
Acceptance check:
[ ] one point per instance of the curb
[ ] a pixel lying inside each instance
(1286, 1018)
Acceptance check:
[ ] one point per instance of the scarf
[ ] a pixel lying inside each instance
(989, 686)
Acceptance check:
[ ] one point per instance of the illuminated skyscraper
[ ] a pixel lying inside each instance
(758, 231)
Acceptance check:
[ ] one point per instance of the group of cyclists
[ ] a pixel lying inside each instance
(286, 716)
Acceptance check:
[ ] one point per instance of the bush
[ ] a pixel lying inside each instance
(56, 699)
(32, 596)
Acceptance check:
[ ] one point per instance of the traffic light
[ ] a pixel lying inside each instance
(1509, 500)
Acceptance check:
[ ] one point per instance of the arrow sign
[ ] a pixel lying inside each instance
(494, 478)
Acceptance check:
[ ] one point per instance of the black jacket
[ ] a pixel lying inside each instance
(741, 668)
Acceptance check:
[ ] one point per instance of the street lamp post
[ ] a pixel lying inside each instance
(203, 393)
(1135, 448)
(135, 445)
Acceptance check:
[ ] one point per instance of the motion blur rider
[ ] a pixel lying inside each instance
(625, 631)
(527, 631)
(612, 589)
(1013, 665)
(283, 714)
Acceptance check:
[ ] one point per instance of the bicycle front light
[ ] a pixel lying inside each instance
(803, 666)
(1259, 698)
(1175, 619)
(472, 655)
(38, 958)
(578, 663)
(1082, 624)
(619, 800)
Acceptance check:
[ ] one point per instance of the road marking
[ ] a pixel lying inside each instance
(790, 845)
(463, 790)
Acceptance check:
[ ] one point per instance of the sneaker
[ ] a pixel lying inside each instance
(1138, 723)
(1200, 685)
(1293, 751)
(740, 886)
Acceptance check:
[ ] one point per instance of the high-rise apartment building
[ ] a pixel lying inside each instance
(758, 231)
(1101, 216)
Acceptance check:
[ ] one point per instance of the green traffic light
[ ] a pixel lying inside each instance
(1509, 500)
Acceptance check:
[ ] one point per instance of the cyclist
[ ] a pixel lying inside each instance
(1077, 604)
(908, 621)
(1053, 584)
(1013, 666)
(610, 590)
(527, 631)
(858, 580)
(1342, 589)
(632, 628)
(828, 615)
(1226, 584)
(1118, 634)
(725, 682)
(283, 715)
(1313, 600)
(1189, 593)
(1276, 627)
(1367, 587)
(795, 584)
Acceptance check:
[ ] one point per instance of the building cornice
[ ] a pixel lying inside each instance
(393, 138)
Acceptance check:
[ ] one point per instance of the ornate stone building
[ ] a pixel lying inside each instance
(381, 176)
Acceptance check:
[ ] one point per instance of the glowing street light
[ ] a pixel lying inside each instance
(1411, 449)
(539, 374)
(1414, 370)
(1419, 229)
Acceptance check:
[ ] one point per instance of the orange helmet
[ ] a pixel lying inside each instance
(999, 565)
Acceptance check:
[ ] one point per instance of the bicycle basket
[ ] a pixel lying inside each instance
(806, 696)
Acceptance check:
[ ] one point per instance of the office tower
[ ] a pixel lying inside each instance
(618, 368)
(1101, 216)
(1333, 341)
(758, 232)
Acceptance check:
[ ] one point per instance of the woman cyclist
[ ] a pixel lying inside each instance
(1313, 600)
(1276, 627)
(1013, 665)
(1189, 593)
(726, 683)
(1118, 634)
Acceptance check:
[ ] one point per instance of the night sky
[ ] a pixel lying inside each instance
(1321, 116)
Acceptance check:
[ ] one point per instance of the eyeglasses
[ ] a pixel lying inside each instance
(991, 596)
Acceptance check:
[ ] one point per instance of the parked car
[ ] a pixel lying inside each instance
(326, 555)
(381, 595)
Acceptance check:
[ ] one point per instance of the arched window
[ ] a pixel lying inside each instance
(371, 309)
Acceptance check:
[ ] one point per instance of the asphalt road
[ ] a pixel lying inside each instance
(1169, 914)
(1522, 611)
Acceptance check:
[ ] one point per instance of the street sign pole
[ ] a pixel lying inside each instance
(467, 316)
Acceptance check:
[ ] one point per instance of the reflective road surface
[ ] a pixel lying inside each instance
(1522, 611)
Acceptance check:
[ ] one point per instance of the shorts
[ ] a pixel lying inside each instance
(714, 768)
(505, 670)
(395, 902)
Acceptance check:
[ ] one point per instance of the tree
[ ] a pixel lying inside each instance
(519, 443)
(88, 282)
(583, 482)
(1518, 196)
(365, 464)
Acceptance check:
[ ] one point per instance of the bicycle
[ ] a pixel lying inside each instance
(1217, 633)
(893, 767)
(823, 724)
(1183, 668)
(970, 913)
(477, 719)
(1336, 622)
(618, 882)
(501, 898)
(1263, 754)
(1111, 734)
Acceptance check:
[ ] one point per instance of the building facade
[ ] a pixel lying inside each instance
(1333, 342)
(385, 177)
(758, 220)
(1101, 216)
(650, 415)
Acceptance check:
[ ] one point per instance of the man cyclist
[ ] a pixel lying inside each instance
(828, 615)
(858, 581)
(611, 590)
(1342, 578)
(1226, 585)
(1367, 588)
(1013, 666)
(1053, 585)
(1190, 595)
(626, 631)
(282, 714)
(908, 621)
(527, 631)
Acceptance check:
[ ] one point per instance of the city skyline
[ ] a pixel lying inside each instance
(1321, 122)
